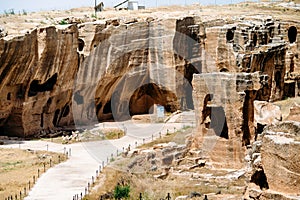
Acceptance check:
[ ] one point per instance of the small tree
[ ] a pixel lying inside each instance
(121, 191)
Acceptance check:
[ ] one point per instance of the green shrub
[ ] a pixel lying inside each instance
(121, 192)
(63, 22)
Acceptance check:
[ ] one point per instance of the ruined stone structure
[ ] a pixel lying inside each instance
(62, 76)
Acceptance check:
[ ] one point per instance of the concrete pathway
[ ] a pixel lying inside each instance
(69, 178)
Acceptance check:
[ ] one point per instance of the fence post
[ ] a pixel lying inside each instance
(16, 197)
(152, 137)
(44, 167)
(29, 185)
(159, 134)
(92, 180)
(47, 145)
(97, 173)
(69, 151)
(24, 190)
(33, 179)
(58, 158)
(38, 173)
(141, 196)
(169, 197)
(20, 194)
(143, 140)
(50, 162)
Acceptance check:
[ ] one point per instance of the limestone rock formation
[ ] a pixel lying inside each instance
(62, 76)
(274, 159)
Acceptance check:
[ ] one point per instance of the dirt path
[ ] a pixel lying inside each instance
(69, 178)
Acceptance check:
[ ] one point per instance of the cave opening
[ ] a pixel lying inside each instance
(144, 98)
(8, 96)
(66, 110)
(189, 70)
(214, 117)
(224, 70)
(55, 120)
(107, 107)
(42, 120)
(254, 40)
(36, 87)
(292, 34)
(245, 127)
(80, 44)
(229, 35)
(278, 79)
(260, 179)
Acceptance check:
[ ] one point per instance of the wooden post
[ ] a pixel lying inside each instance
(141, 196)
(38, 173)
(44, 167)
(169, 197)
(29, 185)
(33, 179)
(159, 134)
(50, 162)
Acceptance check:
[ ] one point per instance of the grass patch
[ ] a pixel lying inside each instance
(17, 168)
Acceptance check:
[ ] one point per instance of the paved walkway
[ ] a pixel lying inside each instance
(66, 179)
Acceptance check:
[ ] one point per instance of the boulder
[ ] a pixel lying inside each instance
(266, 113)
(280, 157)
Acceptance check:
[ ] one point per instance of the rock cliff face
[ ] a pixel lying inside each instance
(63, 76)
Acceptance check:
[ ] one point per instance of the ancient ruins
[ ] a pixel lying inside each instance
(59, 77)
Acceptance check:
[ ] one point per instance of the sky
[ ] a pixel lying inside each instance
(38, 5)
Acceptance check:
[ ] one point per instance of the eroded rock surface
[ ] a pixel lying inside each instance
(62, 76)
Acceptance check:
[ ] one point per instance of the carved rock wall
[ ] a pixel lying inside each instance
(114, 69)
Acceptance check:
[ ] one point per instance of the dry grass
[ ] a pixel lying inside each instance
(178, 137)
(108, 133)
(17, 168)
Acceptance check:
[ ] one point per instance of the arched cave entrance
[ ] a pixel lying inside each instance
(254, 40)
(36, 87)
(278, 79)
(214, 117)
(147, 95)
(80, 44)
(292, 34)
(189, 70)
(229, 35)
